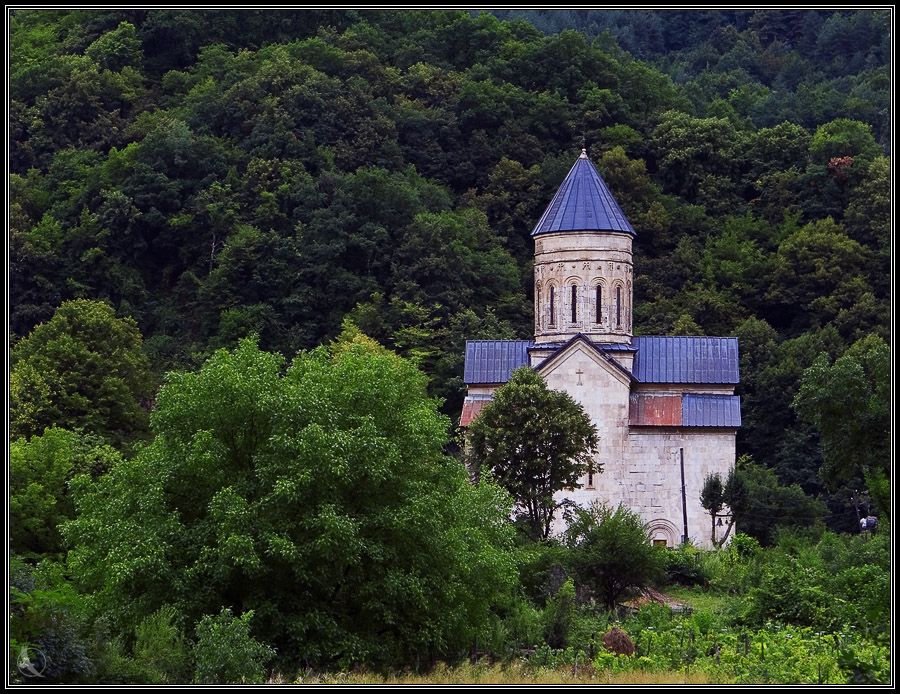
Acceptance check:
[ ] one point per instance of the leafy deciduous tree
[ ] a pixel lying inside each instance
(39, 473)
(535, 442)
(716, 494)
(318, 497)
(849, 404)
(84, 368)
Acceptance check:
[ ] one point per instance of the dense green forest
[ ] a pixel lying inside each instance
(303, 175)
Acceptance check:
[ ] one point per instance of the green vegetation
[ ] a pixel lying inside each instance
(534, 441)
(317, 497)
(82, 369)
(611, 553)
(212, 200)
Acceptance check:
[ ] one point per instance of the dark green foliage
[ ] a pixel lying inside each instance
(39, 473)
(47, 614)
(534, 442)
(82, 369)
(559, 614)
(716, 494)
(684, 566)
(857, 445)
(712, 498)
(542, 569)
(215, 174)
(318, 497)
(163, 653)
(226, 653)
(834, 583)
(611, 553)
(218, 173)
(760, 504)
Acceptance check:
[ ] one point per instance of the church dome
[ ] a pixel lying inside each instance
(583, 203)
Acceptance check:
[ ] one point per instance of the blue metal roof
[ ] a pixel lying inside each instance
(616, 347)
(686, 359)
(492, 361)
(658, 359)
(583, 203)
(710, 410)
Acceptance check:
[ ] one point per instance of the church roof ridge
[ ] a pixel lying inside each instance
(583, 202)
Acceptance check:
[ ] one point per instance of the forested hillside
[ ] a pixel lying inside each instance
(768, 66)
(300, 175)
(217, 173)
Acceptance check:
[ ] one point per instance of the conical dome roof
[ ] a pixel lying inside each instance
(583, 203)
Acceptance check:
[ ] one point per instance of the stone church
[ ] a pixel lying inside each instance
(664, 407)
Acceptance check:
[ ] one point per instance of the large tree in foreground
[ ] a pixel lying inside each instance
(318, 496)
(535, 442)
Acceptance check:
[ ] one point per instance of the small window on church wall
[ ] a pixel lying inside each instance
(598, 309)
(590, 478)
(552, 305)
(618, 307)
(574, 303)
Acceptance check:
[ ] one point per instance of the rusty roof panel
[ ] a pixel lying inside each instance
(472, 407)
(492, 361)
(686, 359)
(655, 410)
(700, 410)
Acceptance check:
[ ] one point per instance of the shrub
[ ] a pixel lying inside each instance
(48, 615)
(542, 569)
(744, 546)
(786, 654)
(225, 653)
(588, 627)
(611, 552)
(519, 624)
(558, 616)
(161, 650)
(684, 566)
(731, 569)
(836, 582)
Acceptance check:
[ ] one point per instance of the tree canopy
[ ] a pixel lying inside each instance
(856, 446)
(611, 552)
(316, 496)
(83, 369)
(534, 441)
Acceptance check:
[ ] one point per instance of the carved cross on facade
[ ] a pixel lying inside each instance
(579, 372)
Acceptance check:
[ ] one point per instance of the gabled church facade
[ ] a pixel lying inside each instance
(664, 407)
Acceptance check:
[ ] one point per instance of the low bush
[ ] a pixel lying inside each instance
(684, 566)
(226, 653)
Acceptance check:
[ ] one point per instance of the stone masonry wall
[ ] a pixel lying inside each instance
(647, 479)
(585, 260)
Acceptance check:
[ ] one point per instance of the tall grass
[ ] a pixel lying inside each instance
(510, 673)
